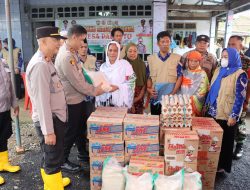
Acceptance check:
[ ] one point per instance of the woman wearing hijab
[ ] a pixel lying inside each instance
(121, 75)
(139, 68)
(225, 102)
(195, 82)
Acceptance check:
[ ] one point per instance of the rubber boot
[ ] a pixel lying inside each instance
(66, 180)
(1, 180)
(5, 165)
(53, 181)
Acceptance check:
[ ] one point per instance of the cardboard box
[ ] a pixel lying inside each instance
(141, 147)
(210, 134)
(208, 161)
(106, 115)
(116, 110)
(141, 127)
(146, 117)
(103, 128)
(173, 166)
(95, 181)
(104, 148)
(96, 163)
(142, 164)
(164, 130)
(181, 146)
(208, 180)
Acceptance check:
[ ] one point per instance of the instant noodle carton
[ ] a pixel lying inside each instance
(174, 166)
(106, 115)
(142, 164)
(208, 180)
(146, 117)
(141, 147)
(141, 127)
(210, 134)
(208, 161)
(105, 128)
(96, 163)
(95, 181)
(181, 146)
(116, 110)
(164, 130)
(104, 148)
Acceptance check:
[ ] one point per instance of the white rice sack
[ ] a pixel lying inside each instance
(192, 181)
(112, 175)
(143, 182)
(173, 182)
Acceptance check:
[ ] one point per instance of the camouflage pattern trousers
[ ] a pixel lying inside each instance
(241, 130)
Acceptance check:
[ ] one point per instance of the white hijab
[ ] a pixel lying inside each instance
(116, 74)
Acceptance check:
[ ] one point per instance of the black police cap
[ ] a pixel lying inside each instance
(48, 31)
(204, 38)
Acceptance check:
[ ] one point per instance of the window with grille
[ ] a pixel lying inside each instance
(137, 10)
(178, 25)
(70, 12)
(93, 11)
(170, 25)
(42, 13)
(190, 25)
(103, 11)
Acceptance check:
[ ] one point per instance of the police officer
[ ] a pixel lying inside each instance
(49, 106)
(209, 61)
(235, 41)
(76, 89)
(7, 100)
(88, 62)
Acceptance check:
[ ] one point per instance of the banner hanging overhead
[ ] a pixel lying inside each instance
(139, 31)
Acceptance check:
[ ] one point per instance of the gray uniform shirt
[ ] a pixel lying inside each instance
(69, 70)
(46, 93)
(7, 93)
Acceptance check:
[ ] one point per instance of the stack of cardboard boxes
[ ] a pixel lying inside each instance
(141, 135)
(198, 149)
(109, 127)
(179, 144)
(105, 133)
(210, 135)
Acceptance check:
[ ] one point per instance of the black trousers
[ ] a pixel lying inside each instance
(18, 86)
(52, 155)
(226, 155)
(5, 130)
(82, 141)
(74, 127)
(155, 109)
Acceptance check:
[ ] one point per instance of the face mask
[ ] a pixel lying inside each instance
(224, 62)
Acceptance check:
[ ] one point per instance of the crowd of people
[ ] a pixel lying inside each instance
(63, 97)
